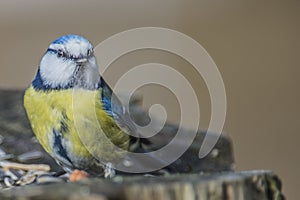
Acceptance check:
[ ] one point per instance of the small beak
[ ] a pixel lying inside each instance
(82, 60)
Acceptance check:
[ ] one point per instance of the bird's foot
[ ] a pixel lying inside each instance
(109, 171)
(78, 175)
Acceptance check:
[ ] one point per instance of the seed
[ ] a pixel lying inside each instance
(48, 179)
(10, 174)
(8, 182)
(33, 155)
(27, 179)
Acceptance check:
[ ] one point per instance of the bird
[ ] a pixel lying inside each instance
(68, 74)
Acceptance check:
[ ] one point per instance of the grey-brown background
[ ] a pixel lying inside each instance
(255, 44)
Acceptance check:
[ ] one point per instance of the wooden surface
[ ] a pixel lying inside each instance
(260, 185)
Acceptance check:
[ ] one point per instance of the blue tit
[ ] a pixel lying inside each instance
(69, 69)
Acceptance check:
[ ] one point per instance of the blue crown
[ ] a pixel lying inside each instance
(66, 38)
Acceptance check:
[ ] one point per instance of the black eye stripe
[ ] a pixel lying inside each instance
(52, 50)
(90, 53)
(59, 52)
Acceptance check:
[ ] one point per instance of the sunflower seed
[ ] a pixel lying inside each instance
(48, 179)
(32, 155)
(9, 182)
(27, 179)
(10, 174)
(17, 173)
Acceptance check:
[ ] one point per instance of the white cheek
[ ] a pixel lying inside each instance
(56, 71)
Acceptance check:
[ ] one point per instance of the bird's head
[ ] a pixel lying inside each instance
(68, 62)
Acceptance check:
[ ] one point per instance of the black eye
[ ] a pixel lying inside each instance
(89, 52)
(60, 53)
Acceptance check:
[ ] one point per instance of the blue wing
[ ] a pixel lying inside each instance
(113, 107)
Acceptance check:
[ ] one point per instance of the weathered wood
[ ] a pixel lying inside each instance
(260, 185)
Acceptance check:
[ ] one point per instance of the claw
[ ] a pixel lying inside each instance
(109, 171)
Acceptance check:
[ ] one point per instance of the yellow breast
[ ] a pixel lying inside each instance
(87, 129)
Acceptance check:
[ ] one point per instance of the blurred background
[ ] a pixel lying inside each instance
(255, 45)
